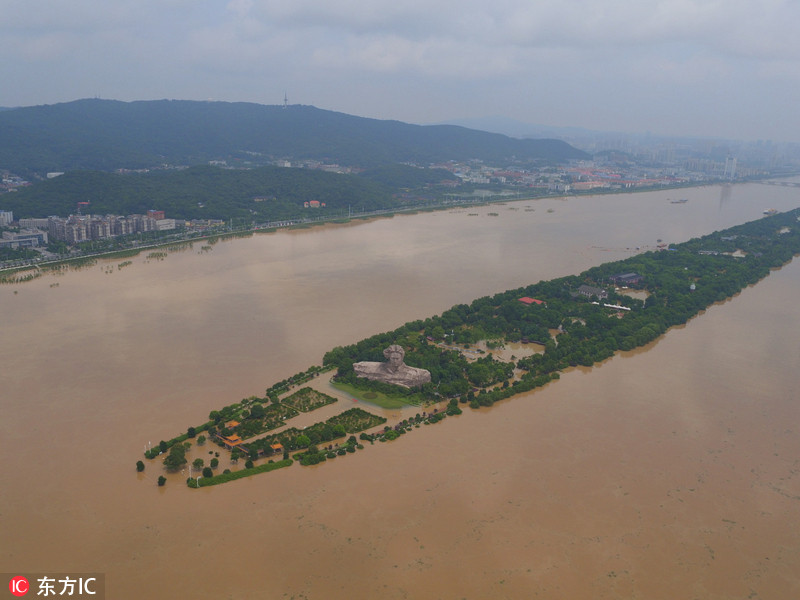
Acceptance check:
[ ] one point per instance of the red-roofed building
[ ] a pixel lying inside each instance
(527, 300)
(231, 441)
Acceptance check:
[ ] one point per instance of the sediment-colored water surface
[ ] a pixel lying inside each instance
(671, 471)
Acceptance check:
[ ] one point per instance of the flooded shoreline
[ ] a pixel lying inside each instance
(666, 472)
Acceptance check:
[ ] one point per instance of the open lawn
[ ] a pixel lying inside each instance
(377, 398)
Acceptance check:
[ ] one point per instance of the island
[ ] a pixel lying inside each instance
(438, 364)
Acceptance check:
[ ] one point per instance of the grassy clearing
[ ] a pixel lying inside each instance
(377, 398)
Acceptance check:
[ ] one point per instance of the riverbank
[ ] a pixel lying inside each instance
(19, 273)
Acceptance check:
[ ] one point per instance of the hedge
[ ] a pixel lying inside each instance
(225, 477)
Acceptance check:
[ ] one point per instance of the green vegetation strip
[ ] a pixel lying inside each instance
(163, 446)
(225, 477)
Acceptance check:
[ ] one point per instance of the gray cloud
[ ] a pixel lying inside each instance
(727, 68)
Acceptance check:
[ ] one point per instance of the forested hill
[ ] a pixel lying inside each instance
(106, 135)
(207, 192)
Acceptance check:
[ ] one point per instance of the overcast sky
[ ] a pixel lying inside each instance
(724, 68)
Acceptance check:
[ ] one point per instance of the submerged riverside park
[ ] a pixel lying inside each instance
(578, 320)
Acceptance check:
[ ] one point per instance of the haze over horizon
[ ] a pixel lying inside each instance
(676, 67)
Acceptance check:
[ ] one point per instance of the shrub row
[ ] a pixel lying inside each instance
(225, 477)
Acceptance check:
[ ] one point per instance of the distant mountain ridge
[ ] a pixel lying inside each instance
(108, 134)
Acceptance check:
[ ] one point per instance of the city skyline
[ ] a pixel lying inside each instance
(677, 67)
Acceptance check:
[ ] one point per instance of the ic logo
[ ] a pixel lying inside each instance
(18, 585)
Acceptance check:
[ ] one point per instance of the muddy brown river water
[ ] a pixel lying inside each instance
(669, 472)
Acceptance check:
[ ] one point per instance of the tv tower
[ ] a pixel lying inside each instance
(285, 100)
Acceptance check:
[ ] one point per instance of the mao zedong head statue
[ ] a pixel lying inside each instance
(394, 370)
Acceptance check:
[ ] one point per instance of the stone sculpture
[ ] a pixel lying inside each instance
(394, 370)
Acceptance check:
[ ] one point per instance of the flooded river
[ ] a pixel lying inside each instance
(669, 472)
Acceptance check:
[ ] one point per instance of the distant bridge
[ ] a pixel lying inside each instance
(780, 183)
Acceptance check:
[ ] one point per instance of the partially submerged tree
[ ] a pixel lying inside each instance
(176, 457)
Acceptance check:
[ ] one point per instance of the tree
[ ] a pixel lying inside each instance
(201, 439)
(248, 464)
(191, 432)
(161, 480)
(176, 457)
(139, 466)
(214, 463)
(302, 441)
(207, 472)
(198, 463)
(162, 445)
